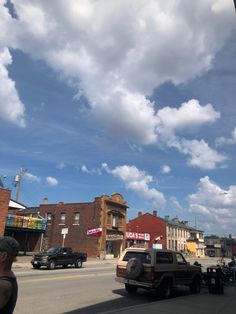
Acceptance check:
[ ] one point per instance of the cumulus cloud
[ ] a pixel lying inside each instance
(31, 177)
(11, 108)
(139, 181)
(165, 169)
(175, 204)
(116, 54)
(230, 141)
(189, 115)
(91, 171)
(52, 181)
(214, 206)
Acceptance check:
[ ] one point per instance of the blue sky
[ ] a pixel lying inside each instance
(98, 97)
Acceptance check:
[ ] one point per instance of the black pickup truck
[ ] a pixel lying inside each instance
(58, 256)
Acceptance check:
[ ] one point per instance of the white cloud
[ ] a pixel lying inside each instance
(91, 171)
(176, 205)
(52, 181)
(230, 141)
(189, 115)
(116, 54)
(165, 169)
(61, 165)
(31, 177)
(119, 53)
(11, 108)
(139, 181)
(199, 152)
(214, 206)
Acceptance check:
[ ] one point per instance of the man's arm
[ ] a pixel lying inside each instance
(5, 292)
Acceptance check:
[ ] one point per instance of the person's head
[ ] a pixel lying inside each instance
(9, 249)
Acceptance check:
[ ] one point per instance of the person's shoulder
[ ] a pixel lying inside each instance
(5, 292)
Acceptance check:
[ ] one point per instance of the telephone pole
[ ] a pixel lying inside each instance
(17, 182)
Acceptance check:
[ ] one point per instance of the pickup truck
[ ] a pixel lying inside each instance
(58, 256)
(156, 269)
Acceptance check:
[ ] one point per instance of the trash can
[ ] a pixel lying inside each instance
(215, 280)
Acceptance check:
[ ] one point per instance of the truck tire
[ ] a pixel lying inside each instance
(164, 290)
(51, 264)
(134, 268)
(78, 263)
(131, 288)
(195, 287)
(36, 266)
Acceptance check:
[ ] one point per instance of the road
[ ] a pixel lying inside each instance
(91, 289)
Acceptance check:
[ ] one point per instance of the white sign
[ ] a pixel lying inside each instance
(157, 246)
(64, 231)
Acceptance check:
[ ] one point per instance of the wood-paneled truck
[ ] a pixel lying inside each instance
(62, 256)
(156, 269)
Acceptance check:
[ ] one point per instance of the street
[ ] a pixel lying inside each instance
(91, 289)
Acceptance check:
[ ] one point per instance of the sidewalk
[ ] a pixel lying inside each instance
(204, 303)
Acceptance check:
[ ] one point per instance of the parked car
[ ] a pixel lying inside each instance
(58, 256)
(156, 269)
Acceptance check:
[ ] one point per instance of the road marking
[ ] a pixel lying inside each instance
(79, 276)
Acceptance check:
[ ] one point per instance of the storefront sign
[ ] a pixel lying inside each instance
(137, 236)
(94, 231)
(113, 237)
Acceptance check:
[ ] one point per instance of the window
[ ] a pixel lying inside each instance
(63, 218)
(144, 257)
(76, 218)
(164, 258)
(49, 217)
(180, 259)
(109, 219)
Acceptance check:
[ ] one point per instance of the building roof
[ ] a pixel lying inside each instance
(17, 205)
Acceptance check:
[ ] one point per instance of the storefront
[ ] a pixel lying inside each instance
(137, 239)
(114, 244)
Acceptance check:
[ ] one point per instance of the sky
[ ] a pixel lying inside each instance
(134, 97)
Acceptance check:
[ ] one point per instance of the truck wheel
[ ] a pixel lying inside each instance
(36, 266)
(78, 263)
(195, 287)
(164, 290)
(51, 264)
(131, 288)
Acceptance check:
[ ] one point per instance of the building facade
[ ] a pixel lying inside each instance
(97, 227)
(146, 230)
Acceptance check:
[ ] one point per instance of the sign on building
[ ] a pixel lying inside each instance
(137, 236)
(94, 232)
(64, 231)
(113, 237)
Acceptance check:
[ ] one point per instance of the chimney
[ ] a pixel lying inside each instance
(155, 213)
(139, 214)
(175, 220)
(45, 201)
(167, 217)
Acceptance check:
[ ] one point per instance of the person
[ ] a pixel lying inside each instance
(9, 249)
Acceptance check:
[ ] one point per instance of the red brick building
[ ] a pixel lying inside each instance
(13, 223)
(97, 227)
(148, 224)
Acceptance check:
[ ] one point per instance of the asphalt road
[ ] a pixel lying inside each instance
(91, 289)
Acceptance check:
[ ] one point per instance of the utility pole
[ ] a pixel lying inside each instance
(17, 182)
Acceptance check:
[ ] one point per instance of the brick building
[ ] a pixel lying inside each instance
(147, 224)
(13, 223)
(4, 205)
(97, 227)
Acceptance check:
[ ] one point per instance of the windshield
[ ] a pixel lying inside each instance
(52, 250)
